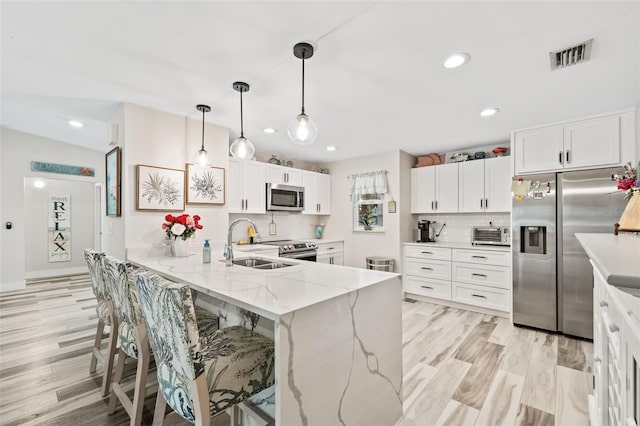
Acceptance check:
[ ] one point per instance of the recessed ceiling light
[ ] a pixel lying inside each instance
(75, 123)
(456, 60)
(38, 183)
(269, 130)
(331, 148)
(488, 112)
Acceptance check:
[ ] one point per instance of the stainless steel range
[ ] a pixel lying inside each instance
(295, 249)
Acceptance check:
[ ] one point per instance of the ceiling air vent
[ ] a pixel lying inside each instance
(571, 55)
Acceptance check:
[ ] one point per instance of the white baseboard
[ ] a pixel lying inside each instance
(13, 286)
(56, 272)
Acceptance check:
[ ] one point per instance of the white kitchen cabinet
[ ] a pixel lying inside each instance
(246, 191)
(580, 144)
(331, 253)
(485, 185)
(427, 271)
(283, 175)
(434, 189)
(317, 193)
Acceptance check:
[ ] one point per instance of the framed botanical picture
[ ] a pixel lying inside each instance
(159, 188)
(112, 181)
(204, 185)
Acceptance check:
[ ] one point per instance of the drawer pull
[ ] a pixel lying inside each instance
(613, 328)
(426, 252)
(330, 248)
(427, 268)
(603, 304)
(479, 275)
(479, 295)
(479, 257)
(426, 286)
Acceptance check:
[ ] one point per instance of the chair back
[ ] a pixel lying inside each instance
(121, 285)
(169, 314)
(96, 272)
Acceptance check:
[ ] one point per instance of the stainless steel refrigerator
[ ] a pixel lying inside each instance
(552, 277)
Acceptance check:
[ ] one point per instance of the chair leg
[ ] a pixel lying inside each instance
(140, 390)
(158, 412)
(111, 353)
(117, 376)
(200, 397)
(96, 345)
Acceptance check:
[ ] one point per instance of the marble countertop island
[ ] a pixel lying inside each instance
(616, 256)
(337, 332)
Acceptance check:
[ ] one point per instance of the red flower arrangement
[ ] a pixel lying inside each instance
(628, 181)
(183, 226)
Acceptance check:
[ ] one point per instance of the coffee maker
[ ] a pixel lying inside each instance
(426, 232)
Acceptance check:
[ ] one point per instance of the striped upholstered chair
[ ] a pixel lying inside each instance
(199, 375)
(104, 309)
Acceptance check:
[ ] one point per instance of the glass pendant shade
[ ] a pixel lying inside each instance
(201, 158)
(302, 130)
(242, 148)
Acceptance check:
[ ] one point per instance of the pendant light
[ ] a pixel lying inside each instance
(202, 159)
(302, 130)
(241, 147)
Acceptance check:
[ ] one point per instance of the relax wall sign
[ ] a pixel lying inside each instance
(59, 228)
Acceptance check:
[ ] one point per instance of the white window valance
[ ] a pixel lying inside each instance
(367, 183)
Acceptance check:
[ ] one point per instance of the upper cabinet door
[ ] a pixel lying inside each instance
(423, 189)
(235, 190)
(446, 188)
(283, 175)
(323, 192)
(317, 193)
(254, 187)
(497, 184)
(539, 150)
(593, 142)
(471, 187)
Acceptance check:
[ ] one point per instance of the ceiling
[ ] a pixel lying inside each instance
(375, 83)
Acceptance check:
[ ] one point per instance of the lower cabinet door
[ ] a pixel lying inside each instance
(487, 297)
(425, 287)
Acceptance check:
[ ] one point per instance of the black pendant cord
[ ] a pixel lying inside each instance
(202, 148)
(303, 84)
(241, 120)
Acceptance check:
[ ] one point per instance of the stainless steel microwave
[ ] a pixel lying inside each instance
(491, 235)
(285, 197)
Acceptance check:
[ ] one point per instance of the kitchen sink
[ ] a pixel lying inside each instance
(259, 263)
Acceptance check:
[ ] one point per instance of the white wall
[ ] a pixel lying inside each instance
(17, 151)
(295, 226)
(360, 245)
(36, 235)
(158, 138)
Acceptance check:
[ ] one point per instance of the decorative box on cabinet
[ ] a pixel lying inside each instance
(434, 189)
(317, 193)
(594, 142)
(332, 253)
(246, 192)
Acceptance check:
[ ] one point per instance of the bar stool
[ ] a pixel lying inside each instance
(132, 338)
(104, 310)
(199, 375)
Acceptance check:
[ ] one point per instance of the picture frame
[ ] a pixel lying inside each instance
(159, 188)
(205, 185)
(112, 161)
(392, 206)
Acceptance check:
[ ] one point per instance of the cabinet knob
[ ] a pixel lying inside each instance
(603, 304)
(613, 328)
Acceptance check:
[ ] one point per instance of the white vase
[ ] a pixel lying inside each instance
(180, 247)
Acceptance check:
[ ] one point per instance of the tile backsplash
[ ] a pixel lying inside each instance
(458, 229)
(288, 225)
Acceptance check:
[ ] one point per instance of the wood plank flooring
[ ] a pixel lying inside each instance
(460, 367)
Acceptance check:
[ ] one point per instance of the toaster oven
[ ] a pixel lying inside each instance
(491, 235)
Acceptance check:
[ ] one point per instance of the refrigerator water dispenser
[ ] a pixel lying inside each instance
(533, 239)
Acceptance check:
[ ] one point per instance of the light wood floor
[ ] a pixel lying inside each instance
(461, 368)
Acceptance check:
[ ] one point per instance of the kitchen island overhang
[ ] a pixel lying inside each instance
(337, 332)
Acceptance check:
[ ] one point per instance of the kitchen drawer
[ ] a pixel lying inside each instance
(328, 248)
(426, 252)
(492, 298)
(425, 287)
(493, 276)
(428, 268)
(482, 257)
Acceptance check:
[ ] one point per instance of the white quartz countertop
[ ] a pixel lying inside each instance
(270, 293)
(617, 257)
(455, 245)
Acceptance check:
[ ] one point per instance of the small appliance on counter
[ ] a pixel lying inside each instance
(426, 232)
(491, 235)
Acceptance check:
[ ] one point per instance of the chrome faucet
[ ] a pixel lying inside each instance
(228, 250)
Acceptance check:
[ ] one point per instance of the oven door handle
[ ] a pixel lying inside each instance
(299, 255)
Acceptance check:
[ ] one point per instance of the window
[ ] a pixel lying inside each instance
(368, 212)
